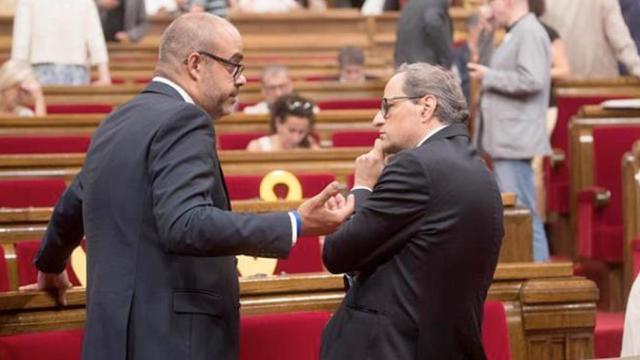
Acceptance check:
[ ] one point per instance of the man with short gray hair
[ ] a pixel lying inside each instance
(274, 82)
(515, 97)
(423, 243)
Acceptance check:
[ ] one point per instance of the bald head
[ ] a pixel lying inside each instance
(191, 33)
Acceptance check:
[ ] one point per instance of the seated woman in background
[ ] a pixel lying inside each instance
(17, 83)
(291, 125)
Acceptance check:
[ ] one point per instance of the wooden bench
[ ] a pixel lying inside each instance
(550, 313)
(250, 93)
(327, 123)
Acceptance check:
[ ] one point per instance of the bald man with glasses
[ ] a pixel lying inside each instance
(152, 202)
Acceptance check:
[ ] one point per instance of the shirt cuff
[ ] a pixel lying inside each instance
(294, 228)
(362, 188)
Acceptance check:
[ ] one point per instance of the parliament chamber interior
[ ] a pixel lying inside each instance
(333, 59)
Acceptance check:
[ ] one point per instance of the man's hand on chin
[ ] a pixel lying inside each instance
(369, 166)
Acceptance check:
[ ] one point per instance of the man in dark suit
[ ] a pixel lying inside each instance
(423, 243)
(152, 202)
(424, 33)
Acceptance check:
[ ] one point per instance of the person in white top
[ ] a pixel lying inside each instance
(59, 39)
(291, 124)
(631, 334)
(275, 82)
(17, 84)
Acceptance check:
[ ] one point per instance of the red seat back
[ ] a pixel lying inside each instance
(44, 144)
(286, 336)
(354, 138)
(609, 145)
(349, 104)
(237, 141)
(243, 187)
(79, 108)
(30, 192)
(50, 345)
(495, 332)
(305, 257)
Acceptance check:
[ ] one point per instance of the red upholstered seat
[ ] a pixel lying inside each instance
(600, 228)
(305, 257)
(44, 144)
(286, 336)
(79, 108)
(30, 192)
(608, 334)
(241, 187)
(27, 273)
(4, 279)
(349, 104)
(354, 138)
(49, 345)
(237, 141)
(495, 333)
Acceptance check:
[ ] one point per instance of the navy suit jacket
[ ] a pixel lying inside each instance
(152, 202)
(424, 244)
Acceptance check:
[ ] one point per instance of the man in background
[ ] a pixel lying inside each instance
(425, 33)
(515, 97)
(274, 82)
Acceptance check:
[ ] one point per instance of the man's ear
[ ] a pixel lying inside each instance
(428, 103)
(194, 66)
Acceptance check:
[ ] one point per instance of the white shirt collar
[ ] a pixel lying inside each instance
(431, 133)
(175, 87)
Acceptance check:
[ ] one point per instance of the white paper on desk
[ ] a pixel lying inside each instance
(621, 104)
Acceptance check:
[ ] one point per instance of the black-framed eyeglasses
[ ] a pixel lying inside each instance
(235, 69)
(387, 103)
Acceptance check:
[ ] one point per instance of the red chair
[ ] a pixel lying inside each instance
(79, 109)
(305, 257)
(286, 336)
(4, 271)
(495, 332)
(237, 141)
(27, 273)
(557, 177)
(600, 225)
(30, 192)
(50, 345)
(354, 138)
(243, 187)
(44, 144)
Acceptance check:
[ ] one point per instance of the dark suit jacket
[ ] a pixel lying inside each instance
(424, 33)
(425, 245)
(136, 23)
(152, 202)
